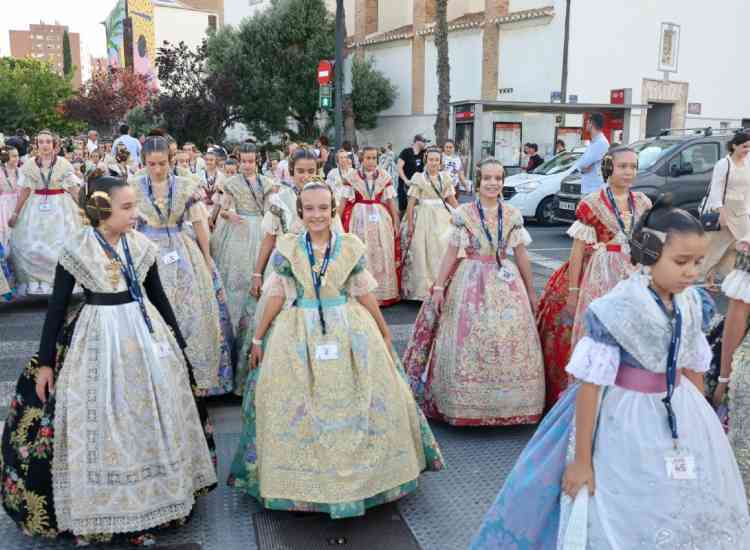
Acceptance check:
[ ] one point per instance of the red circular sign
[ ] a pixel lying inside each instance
(325, 72)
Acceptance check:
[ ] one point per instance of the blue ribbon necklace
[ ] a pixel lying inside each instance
(500, 252)
(318, 277)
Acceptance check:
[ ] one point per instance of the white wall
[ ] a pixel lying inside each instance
(398, 130)
(466, 71)
(236, 10)
(521, 5)
(615, 45)
(393, 59)
(393, 14)
(178, 24)
(531, 57)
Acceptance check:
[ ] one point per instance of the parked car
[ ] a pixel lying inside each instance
(534, 193)
(680, 162)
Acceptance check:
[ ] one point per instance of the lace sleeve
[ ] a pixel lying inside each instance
(389, 192)
(197, 212)
(360, 281)
(596, 357)
(737, 285)
(519, 236)
(279, 286)
(582, 232)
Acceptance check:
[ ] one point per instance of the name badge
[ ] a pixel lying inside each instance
(505, 275)
(327, 352)
(163, 350)
(680, 466)
(375, 217)
(45, 207)
(170, 257)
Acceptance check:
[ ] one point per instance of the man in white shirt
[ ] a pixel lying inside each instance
(132, 144)
(93, 142)
(590, 163)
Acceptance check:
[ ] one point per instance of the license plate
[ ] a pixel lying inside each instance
(567, 205)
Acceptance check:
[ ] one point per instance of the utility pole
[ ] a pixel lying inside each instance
(339, 72)
(566, 41)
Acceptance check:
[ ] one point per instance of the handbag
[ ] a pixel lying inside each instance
(710, 220)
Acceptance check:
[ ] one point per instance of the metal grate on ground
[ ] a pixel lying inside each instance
(443, 514)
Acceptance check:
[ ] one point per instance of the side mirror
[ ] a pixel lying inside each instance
(686, 169)
(674, 171)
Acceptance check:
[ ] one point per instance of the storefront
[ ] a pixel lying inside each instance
(500, 128)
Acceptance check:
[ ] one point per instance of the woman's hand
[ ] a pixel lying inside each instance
(719, 393)
(256, 286)
(576, 476)
(45, 383)
(256, 356)
(438, 298)
(210, 263)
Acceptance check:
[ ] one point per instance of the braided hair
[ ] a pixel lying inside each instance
(653, 230)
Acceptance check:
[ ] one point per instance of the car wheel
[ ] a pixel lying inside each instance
(545, 210)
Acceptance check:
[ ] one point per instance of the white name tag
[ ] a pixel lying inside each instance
(680, 466)
(375, 217)
(170, 257)
(45, 207)
(327, 352)
(505, 275)
(162, 349)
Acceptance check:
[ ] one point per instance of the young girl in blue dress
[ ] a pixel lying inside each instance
(635, 429)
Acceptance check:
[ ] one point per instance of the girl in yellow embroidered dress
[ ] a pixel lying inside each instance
(431, 195)
(330, 423)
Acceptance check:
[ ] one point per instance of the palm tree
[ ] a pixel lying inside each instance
(442, 121)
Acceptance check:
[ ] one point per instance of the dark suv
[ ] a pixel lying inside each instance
(680, 162)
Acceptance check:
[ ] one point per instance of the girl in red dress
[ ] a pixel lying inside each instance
(598, 260)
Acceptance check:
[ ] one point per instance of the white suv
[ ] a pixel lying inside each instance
(534, 193)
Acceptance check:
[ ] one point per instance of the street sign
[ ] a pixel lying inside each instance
(325, 72)
(326, 97)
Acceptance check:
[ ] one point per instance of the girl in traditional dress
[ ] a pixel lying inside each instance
(371, 213)
(7, 280)
(166, 203)
(236, 241)
(330, 422)
(46, 214)
(636, 430)
(9, 191)
(428, 215)
(104, 439)
(599, 260)
(214, 177)
(474, 357)
(343, 172)
(735, 361)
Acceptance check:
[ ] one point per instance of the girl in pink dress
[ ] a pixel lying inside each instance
(9, 174)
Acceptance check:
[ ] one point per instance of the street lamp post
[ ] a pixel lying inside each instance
(339, 72)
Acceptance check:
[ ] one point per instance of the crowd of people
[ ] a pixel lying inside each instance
(175, 275)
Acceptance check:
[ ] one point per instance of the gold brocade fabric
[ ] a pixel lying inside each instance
(187, 282)
(432, 227)
(129, 449)
(739, 410)
(336, 430)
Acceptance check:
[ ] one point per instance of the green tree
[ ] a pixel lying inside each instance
(372, 93)
(142, 120)
(67, 56)
(273, 58)
(32, 96)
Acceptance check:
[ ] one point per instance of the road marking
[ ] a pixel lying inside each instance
(567, 248)
(544, 261)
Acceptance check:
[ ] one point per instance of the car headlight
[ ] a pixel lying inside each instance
(528, 186)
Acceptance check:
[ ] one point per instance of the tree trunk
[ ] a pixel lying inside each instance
(350, 132)
(442, 121)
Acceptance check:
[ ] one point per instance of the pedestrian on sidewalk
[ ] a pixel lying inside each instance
(479, 319)
(590, 163)
(410, 161)
(729, 193)
(632, 456)
(109, 388)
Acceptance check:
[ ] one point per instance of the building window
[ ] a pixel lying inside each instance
(212, 22)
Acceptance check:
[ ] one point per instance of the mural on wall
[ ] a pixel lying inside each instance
(114, 27)
(131, 38)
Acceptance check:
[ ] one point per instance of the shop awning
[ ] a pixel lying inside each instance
(540, 107)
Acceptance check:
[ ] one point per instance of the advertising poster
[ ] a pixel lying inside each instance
(507, 140)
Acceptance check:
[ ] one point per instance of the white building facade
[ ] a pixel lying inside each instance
(177, 22)
(237, 10)
(506, 66)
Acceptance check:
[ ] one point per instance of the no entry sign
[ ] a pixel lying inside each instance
(325, 72)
